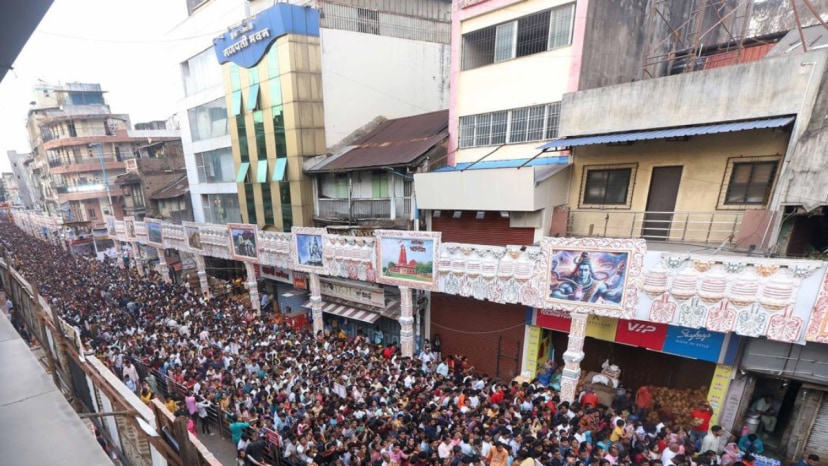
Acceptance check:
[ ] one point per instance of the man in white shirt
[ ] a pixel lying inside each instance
(713, 440)
(669, 453)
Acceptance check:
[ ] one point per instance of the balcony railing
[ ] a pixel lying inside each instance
(80, 188)
(363, 209)
(678, 227)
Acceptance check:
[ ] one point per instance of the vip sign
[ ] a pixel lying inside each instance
(644, 334)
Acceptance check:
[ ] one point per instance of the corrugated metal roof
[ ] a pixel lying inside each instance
(667, 133)
(513, 163)
(177, 188)
(396, 142)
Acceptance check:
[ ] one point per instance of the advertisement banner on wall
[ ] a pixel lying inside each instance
(694, 343)
(718, 388)
(601, 328)
(649, 335)
(553, 320)
(533, 339)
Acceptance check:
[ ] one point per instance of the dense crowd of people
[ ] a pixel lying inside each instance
(335, 399)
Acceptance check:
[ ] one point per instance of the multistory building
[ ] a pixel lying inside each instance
(255, 106)
(78, 146)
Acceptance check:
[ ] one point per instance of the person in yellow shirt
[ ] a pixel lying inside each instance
(172, 406)
(618, 432)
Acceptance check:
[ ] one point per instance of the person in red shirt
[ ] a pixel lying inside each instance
(701, 421)
(498, 395)
(643, 402)
(589, 398)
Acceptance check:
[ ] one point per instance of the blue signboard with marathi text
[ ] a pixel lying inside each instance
(696, 343)
(247, 43)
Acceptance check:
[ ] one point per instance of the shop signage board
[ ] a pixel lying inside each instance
(276, 273)
(601, 328)
(649, 335)
(694, 343)
(718, 388)
(533, 339)
(353, 291)
(246, 44)
(300, 281)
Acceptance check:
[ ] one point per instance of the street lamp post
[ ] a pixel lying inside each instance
(106, 180)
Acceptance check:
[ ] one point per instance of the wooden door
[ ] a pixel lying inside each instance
(661, 203)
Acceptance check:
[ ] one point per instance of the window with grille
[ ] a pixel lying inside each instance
(527, 35)
(750, 182)
(607, 186)
(514, 126)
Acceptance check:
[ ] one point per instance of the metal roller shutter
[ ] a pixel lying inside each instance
(491, 230)
(818, 439)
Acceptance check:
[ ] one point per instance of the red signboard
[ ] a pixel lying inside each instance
(300, 282)
(639, 333)
(554, 320)
(629, 332)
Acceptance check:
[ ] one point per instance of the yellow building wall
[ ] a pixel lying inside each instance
(300, 86)
(705, 162)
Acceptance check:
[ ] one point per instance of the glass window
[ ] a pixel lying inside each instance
(235, 77)
(221, 208)
(208, 120)
(273, 61)
(279, 171)
(467, 131)
(201, 72)
(499, 125)
(216, 166)
(505, 41)
(279, 131)
(553, 120)
(275, 92)
(750, 182)
(483, 129)
(253, 98)
(607, 186)
(237, 103)
(560, 26)
(518, 124)
(536, 121)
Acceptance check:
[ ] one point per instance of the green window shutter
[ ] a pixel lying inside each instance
(253, 97)
(279, 171)
(242, 175)
(261, 172)
(237, 101)
(379, 185)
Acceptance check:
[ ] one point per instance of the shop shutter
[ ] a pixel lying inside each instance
(473, 329)
(492, 230)
(818, 440)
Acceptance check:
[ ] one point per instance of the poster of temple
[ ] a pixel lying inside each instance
(408, 258)
(243, 242)
(193, 235)
(595, 275)
(308, 249)
(154, 237)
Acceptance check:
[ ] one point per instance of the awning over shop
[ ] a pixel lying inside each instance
(348, 312)
(667, 133)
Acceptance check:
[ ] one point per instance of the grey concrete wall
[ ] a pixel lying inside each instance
(769, 87)
(614, 42)
(807, 166)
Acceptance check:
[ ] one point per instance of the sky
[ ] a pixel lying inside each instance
(122, 44)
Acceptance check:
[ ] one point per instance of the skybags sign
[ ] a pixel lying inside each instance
(246, 44)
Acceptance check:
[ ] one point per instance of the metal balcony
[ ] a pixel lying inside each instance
(677, 227)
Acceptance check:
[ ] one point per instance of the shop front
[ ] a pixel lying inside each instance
(360, 308)
(287, 292)
(790, 380)
(693, 363)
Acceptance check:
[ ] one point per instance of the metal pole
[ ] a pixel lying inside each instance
(106, 179)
